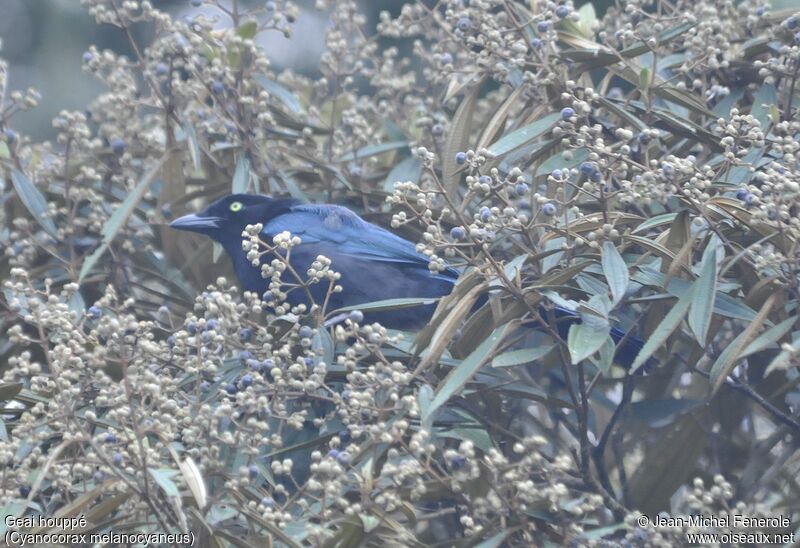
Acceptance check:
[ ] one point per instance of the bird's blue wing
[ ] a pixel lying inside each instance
(350, 234)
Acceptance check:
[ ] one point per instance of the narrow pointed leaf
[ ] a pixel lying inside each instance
(241, 177)
(33, 200)
(667, 326)
(615, 271)
(523, 135)
(463, 372)
(704, 293)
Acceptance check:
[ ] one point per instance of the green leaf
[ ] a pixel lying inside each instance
(34, 201)
(615, 271)
(458, 139)
(387, 304)
(120, 217)
(163, 477)
(769, 337)
(586, 338)
(497, 540)
(409, 170)
(524, 355)
(285, 96)
(667, 326)
(763, 100)
(463, 372)
(726, 361)
(241, 177)
(424, 399)
(558, 161)
(652, 222)
(523, 135)
(372, 150)
(705, 290)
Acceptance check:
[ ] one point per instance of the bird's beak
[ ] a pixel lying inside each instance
(197, 223)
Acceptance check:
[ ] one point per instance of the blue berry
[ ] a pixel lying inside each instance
(118, 145)
(333, 453)
(171, 341)
(117, 459)
(549, 209)
(667, 168)
(556, 173)
(458, 462)
(211, 324)
(217, 87)
(760, 11)
(191, 327)
(166, 211)
(87, 56)
(772, 214)
(536, 43)
(437, 129)
(245, 334)
(562, 11)
(267, 297)
(749, 199)
(742, 193)
(308, 361)
(231, 389)
(267, 501)
(355, 171)
(587, 168)
(485, 180)
(356, 316)
(791, 22)
(24, 491)
(543, 26)
(458, 233)
(204, 386)
(596, 176)
(446, 59)
(95, 311)
(11, 136)
(162, 69)
(797, 37)
(464, 24)
(567, 113)
(305, 332)
(110, 438)
(345, 436)
(521, 189)
(245, 355)
(644, 138)
(247, 380)
(253, 364)
(486, 214)
(253, 471)
(461, 158)
(344, 458)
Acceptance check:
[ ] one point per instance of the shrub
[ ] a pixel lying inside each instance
(639, 169)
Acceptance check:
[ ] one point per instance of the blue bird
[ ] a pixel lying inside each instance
(374, 263)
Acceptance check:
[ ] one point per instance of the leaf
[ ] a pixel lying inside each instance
(285, 96)
(496, 541)
(163, 477)
(409, 170)
(34, 201)
(586, 338)
(458, 139)
(194, 479)
(498, 120)
(121, 215)
(372, 150)
(424, 398)
(521, 356)
(241, 177)
(705, 290)
(667, 326)
(763, 100)
(726, 361)
(615, 271)
(523, 135)
(768, 337)
(387, 304)
(463, 372)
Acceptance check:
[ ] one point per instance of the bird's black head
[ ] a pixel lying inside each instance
(227, 217)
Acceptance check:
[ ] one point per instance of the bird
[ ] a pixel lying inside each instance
(375, 264)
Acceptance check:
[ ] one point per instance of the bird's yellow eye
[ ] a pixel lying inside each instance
(236, 206)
